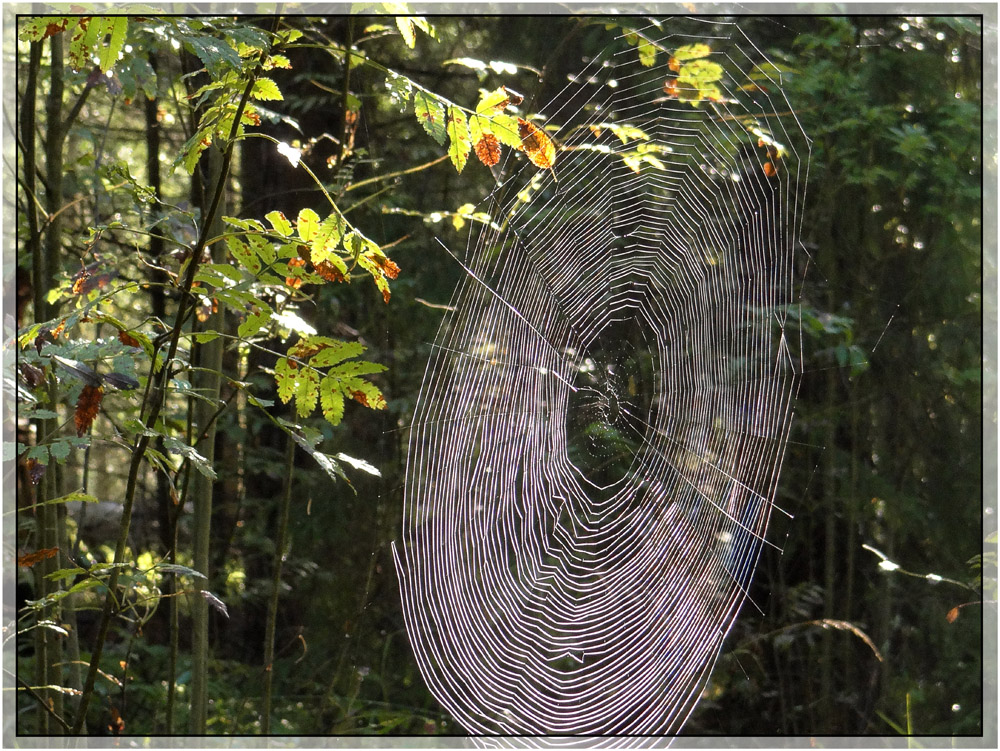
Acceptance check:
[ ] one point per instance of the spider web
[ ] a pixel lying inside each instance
(596, 445)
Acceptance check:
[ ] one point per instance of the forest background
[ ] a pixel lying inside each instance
(167, 392)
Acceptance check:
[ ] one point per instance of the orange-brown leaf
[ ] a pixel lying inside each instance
(294, 264)
(329, 272)
(952, 615)
(512, 97)
(536, 144)
(770, 170)
(675, 64)
(127, 339)
(670, 88)
(386, 265)
(30, 559)
(361, 398)
(86, 407)
(488, 150)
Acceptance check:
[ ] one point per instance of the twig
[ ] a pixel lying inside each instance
(45, 704)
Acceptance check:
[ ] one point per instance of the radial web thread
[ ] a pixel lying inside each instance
(595, 449)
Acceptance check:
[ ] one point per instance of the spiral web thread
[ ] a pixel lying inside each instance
(595, 449)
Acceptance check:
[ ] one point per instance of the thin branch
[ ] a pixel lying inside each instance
(45, 704)
(157, 396)
(389, 176)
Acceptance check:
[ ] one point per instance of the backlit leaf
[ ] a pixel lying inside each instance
(41, 27)
(406, 30)
(647, 53)
(243, 255)
(306, 392)
(460, 144)
(331, 400)
(365, 393)
(253, 322)
(264, 89)
(488, 149)
(285, 374)
(536, 144)
(699, 73)
(116, 27)
(335, 353)
(308, 224)
(690, 52)
(280, 224)
(493, 102)
(430, 113)
(506, 130)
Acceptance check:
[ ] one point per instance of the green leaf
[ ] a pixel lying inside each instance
(647, 53)
(254, 321)
(308, 224)
(458, 132)
(326, 240)
(285, 374)
(265, 89)
(280, 224)
(336, 352)
(264, 250)
(364, 392)
(493, 102)
(117, 27)
(356, 368)
(216, 55)
(331, 400)
(41, 27)
(81, 42)
(306, 392)
(504, 127)
(406, 30)
(243, 254)
(430, 114)
(82, 585)
(691, 52)
(188, 452)
(192, 150)
(59, 450)
(65, 573)
(699, 73)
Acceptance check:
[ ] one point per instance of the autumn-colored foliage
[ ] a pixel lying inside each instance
(30, 559)
(128, 340)
(87, 407)
(536, 144)
(488, 149)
